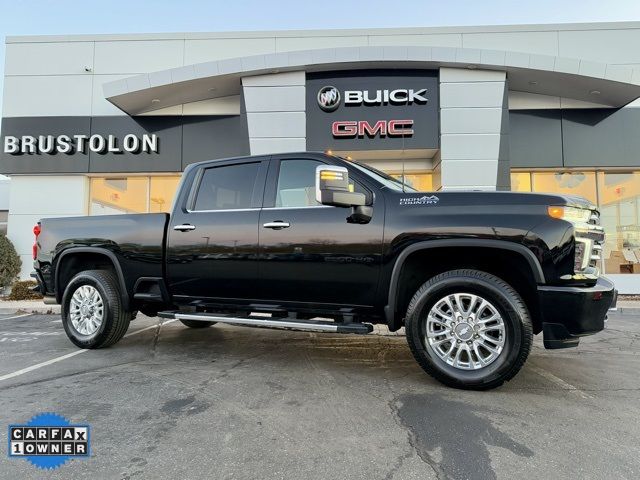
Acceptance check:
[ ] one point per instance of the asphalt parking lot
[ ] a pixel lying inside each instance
(237, 402)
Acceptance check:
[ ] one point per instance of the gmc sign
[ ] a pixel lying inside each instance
(362, 128)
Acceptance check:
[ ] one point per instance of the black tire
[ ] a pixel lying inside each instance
(197, 324)
(517, 329)
(115, 320)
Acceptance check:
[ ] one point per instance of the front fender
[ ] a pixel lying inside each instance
(390, 309)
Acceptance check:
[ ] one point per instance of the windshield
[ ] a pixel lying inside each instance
(385, 179)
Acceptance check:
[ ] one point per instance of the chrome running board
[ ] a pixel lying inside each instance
(305, 325)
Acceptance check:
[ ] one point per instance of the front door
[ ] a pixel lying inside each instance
(309, 252)
(213, 236)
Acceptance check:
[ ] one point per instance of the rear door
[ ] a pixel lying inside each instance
(309, 252)
(212, 243)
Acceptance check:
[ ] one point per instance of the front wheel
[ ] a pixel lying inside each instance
(92, 311)
(469, 329)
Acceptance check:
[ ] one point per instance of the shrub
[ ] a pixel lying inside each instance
(21, 290)
(9, 262)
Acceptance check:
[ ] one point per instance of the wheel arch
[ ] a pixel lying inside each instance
(394, 318)
(70, 259)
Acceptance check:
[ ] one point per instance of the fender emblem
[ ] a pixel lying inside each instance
(424, 200)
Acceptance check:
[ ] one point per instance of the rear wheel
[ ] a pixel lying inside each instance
(469, 329)
(92, 311)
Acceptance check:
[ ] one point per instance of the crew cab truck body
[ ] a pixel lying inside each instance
(305, 237)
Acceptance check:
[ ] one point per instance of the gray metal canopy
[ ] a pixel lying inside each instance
(604, 84)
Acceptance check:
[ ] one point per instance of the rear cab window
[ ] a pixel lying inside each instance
(227, 187)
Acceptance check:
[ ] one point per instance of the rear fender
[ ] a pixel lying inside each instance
(67, 254)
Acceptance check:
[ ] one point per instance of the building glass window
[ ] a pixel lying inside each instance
(111, 196)
(520, 181)
(161, 193)
(620, 216)
(4, 218)
(568, 183)
(118, 195)
(421, 181)
(617, 195)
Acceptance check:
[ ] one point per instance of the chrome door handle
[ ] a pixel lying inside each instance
(276, 225)
(185, 227)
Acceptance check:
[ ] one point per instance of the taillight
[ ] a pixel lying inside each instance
(36, 231)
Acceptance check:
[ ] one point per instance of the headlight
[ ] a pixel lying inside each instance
(583, 253)
(570, 214)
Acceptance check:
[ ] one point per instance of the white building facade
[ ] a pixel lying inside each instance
(105, 124)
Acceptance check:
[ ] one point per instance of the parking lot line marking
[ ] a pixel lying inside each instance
(559, 382)
(69, 355)
(40, 365)
(16, 316)
(147, 328)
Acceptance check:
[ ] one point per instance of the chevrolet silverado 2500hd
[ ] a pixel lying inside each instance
(314, 242)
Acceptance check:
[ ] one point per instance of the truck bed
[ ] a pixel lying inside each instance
(135, 240)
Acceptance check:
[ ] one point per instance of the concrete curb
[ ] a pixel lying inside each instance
(626, 311)
(13, 307)
(45, 309)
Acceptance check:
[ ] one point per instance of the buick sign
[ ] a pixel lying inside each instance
(399, 96)
(329, 98)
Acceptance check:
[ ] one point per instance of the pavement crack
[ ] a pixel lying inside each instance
(399, 461)
(411, 438)
(156, 337)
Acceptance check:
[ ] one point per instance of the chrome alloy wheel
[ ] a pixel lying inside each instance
(465, 331)
(86, 310)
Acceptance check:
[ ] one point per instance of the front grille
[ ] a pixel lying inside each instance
(591, 238)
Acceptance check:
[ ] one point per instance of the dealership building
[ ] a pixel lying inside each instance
(105, 124)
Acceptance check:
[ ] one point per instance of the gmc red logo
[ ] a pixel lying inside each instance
(362, 128)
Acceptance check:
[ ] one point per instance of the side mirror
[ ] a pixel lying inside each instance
(332, 188)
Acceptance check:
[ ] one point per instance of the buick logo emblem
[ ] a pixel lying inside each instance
(328, 98)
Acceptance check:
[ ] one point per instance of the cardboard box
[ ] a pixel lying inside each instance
(617, 263)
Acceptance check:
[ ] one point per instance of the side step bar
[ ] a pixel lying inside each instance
(306, 325)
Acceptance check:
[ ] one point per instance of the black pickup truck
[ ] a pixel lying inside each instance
(314, 242)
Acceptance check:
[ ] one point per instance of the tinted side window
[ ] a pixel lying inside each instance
(297, 183)
(227, 188)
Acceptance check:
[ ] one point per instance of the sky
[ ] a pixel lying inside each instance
(42, 17)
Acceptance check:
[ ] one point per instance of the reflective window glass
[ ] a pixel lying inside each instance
(111, 196)
(568, 183)
(228, 187)
(420, 181)
(297, 183)
(520, 181)
(161, 193)
(118, 195)
(620, 216)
